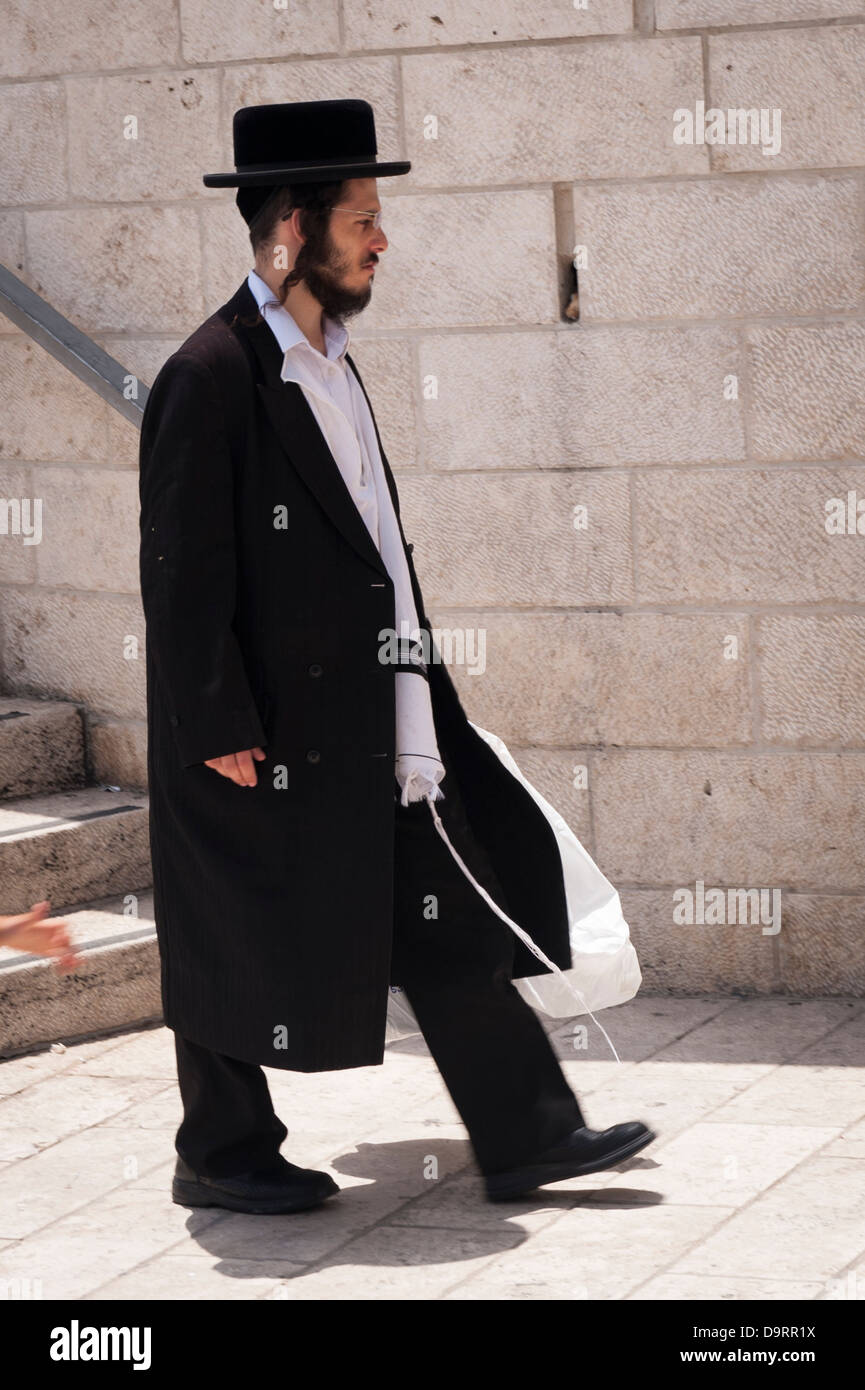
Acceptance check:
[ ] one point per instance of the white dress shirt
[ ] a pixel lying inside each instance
(333, 393)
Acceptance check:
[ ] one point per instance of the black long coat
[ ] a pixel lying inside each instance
(264, 596)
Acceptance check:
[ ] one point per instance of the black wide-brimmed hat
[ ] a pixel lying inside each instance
(299, 142)
(304, 140)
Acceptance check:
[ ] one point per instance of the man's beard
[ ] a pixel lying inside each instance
(323, 279)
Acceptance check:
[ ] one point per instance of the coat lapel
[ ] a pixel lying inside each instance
(298, 430)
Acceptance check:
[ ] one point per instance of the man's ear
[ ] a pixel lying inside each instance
(286, 217)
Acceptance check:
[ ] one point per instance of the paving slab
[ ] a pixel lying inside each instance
(149, 1053)
(764, 1031)
(754, 1188)
(821, 1096)
(16, 1073)
(732, 1164)
(593, 1253)
(809, 1225)
(82, 1251)
(179, 1277)
(849, 1144)
(686, 1288)
(637, 1029)
(73, 1173)
(52, 1109)
(398, 1262)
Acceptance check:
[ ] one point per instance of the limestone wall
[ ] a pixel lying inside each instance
(681, 671)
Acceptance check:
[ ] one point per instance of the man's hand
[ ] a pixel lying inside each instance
(43, 936)
(239, 767)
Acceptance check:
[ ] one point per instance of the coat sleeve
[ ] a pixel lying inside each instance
(188, 565)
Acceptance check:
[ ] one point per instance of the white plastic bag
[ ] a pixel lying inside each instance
(605, 968)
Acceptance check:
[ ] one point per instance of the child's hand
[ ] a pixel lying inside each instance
(44, 936)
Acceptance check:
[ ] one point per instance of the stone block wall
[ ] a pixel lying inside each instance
(629, 508)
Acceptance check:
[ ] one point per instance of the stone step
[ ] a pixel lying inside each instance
(41, 746)
(116, 986)
(72, 847)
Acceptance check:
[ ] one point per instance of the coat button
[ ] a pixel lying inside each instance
(174, 720)
(313, 756)
(410, 547)
(315, 669)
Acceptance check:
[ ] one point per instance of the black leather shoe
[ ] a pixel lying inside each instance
(285, 1188)
(582, 1151)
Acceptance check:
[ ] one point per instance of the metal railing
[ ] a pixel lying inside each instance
(89, 362)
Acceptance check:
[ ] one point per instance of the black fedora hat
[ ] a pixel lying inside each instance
(304, 141)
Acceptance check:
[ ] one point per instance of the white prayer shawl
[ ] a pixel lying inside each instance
(599, 935)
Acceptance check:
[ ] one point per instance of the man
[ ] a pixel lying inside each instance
(298, 872)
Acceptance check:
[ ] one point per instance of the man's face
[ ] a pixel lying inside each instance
(341, 276)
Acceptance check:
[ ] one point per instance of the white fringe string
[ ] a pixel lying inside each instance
(518, 930)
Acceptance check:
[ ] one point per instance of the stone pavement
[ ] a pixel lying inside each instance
(754, 1189)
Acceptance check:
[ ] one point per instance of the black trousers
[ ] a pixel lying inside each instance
(454, 958)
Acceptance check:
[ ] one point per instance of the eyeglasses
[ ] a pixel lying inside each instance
(373, 217)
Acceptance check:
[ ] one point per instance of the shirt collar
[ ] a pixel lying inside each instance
(287, 331)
